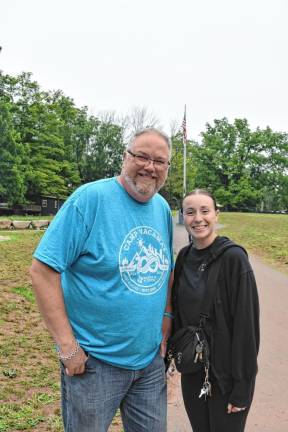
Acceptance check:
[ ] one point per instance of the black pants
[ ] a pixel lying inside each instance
(209, 416)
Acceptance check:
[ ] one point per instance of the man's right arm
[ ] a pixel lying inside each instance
(47, 286)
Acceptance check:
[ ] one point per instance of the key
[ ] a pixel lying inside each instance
(171, 369)
(208, 388)
(203, 392)
(199, 349)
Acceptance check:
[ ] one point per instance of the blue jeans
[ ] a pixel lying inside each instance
(90, 400)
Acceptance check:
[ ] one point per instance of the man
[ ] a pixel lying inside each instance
(101, 275)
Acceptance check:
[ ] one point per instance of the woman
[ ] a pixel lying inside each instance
(232, 327)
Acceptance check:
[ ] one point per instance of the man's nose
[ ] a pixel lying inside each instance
(150, 166)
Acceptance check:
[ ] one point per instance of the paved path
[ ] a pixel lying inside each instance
(269, 412)
(177, 418)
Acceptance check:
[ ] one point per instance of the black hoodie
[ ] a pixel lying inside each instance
(233, 325)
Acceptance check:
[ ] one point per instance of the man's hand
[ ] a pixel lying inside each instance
(76, 365)
(166, 332)
(233, 409)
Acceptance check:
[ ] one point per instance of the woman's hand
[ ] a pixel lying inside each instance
(233, 409)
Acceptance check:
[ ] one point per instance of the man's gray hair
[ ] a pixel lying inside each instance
(150, 130)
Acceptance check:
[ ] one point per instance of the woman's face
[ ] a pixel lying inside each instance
(200, 218)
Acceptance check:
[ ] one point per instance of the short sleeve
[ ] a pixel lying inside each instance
(64, 239)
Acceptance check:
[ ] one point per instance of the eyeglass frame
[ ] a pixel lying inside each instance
(147, 159)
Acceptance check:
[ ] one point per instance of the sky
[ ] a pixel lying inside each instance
(224, 58)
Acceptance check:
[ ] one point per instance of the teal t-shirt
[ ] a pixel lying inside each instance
(115, 258)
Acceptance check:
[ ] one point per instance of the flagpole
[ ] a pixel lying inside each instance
(184, 151)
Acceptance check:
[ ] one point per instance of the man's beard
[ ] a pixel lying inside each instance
(142, 190)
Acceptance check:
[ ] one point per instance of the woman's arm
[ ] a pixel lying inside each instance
(245, 339)
(167, 321)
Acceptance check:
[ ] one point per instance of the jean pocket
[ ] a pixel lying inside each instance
(92, 364)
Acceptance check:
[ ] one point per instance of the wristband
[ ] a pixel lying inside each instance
(169, 315)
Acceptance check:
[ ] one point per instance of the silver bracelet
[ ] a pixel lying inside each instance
(169, 315)
(71, 354)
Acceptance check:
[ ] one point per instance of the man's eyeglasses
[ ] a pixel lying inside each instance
(143, 161)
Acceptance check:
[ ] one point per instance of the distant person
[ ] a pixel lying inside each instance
(232, 327)
(101, 275)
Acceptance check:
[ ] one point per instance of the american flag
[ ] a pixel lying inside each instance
(184, 129)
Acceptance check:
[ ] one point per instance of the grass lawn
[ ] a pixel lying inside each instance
(29, 378)
(265, 235)
(29, 389)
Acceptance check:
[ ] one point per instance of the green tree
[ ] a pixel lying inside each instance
(240, 165)
(76, 130)
(12, 187)
(104, 152)
(39, 119)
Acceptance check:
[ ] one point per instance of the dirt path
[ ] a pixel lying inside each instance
(269, 411)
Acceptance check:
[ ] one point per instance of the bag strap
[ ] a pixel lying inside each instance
(213, 265)
(209, 289)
